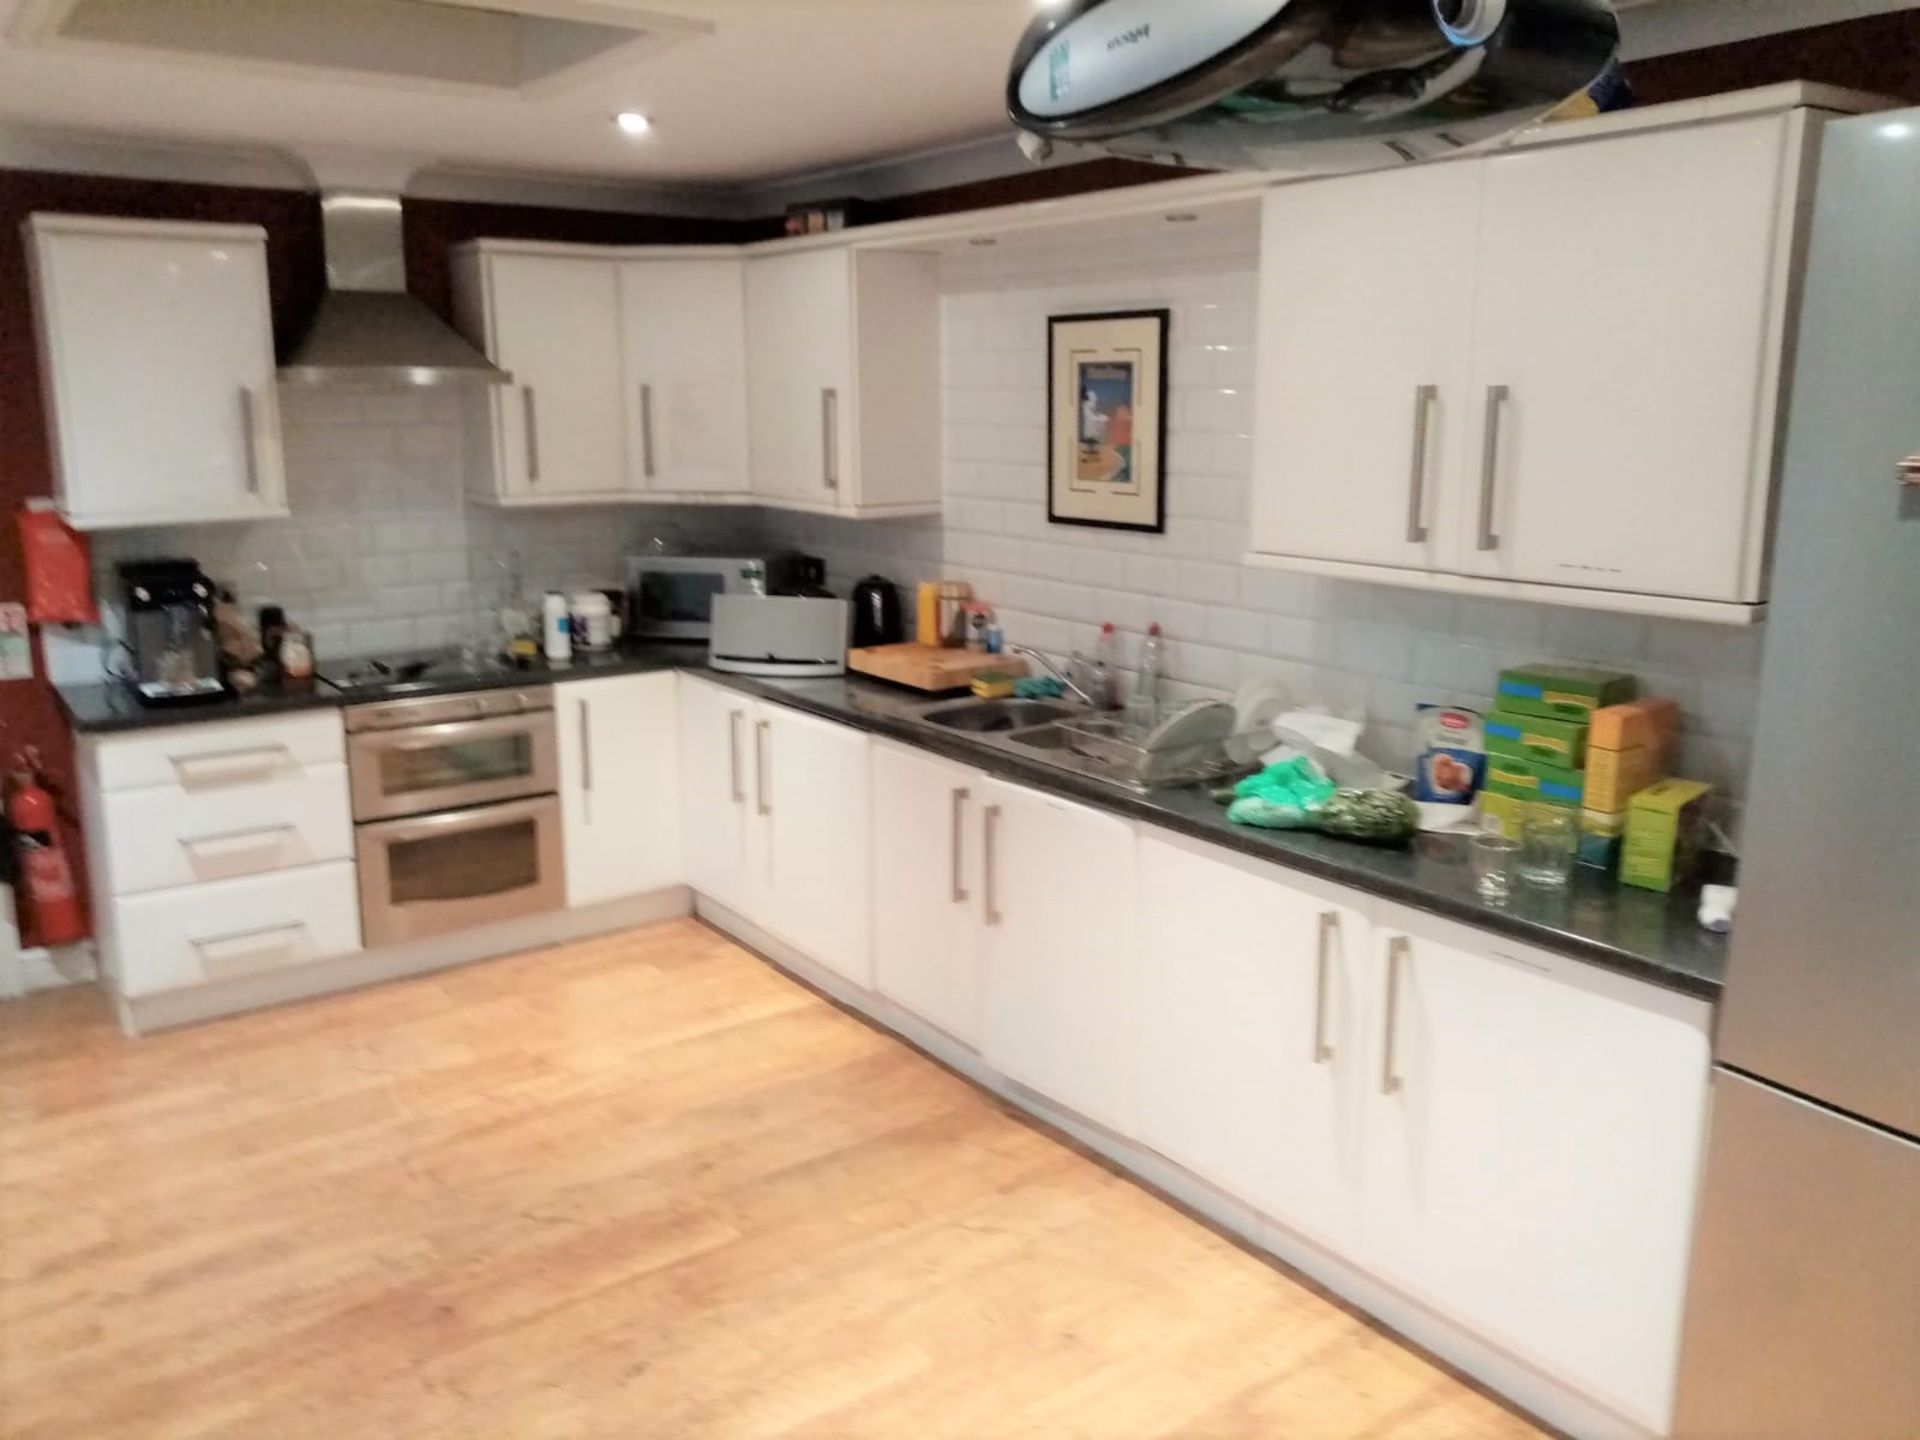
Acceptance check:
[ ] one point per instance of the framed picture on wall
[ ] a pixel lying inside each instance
(1107, 420)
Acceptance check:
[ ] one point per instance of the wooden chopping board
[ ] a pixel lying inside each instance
(927, 667)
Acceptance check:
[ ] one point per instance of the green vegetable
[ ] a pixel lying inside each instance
(1383, 817)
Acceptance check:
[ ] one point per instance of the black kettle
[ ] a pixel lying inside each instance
(877, 619)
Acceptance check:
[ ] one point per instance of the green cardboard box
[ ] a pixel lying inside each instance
(1519, 778)
(1562, 692)
(1664, 826)
(1537, 737)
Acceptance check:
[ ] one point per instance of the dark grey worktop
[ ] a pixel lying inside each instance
(1636, 932)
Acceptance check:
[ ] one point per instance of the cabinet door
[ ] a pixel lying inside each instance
(157, 347)
(1533, 1147)
(1252, 1071)
(686, 375)
(1366, 302)
(1056, 896)
(800, 397)
(813, 789)
(926, 882)
(716, 737)
(619, 785)
(1630, 306)
(555, 325)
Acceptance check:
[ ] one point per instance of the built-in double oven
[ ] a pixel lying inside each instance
(456, 819)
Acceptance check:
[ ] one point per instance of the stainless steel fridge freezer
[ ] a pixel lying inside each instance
(1803, 1304)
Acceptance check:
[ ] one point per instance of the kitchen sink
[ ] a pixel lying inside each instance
(994, 717)
(1049, 737)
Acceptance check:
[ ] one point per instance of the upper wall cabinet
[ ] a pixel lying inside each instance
(684, 330)
(557, 434)
(156, 354)
(844, 381)
(1551, 374)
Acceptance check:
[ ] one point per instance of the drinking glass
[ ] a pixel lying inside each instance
(1548, 839)
(1493, 862)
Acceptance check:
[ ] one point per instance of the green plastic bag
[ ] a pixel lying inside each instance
(1282, 797)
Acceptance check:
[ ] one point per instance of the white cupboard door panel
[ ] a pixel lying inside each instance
(686, 375)
(1366, 308)
(231, 929)
(1533, 1146)
(800, 375)
(1252, 1041)
(811, 787)
(163, 835)
(158, 353)
(926, 874)
(619, 746)
(1627, 310)
(716, 728)
(1056, 897)
(555, 326)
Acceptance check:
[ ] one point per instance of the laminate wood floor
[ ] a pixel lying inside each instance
(642, 1186)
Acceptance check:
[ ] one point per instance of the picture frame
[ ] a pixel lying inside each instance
(1107, 420)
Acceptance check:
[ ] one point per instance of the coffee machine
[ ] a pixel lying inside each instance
(170, 631)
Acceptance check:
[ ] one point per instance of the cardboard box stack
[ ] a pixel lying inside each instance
(1630, 747)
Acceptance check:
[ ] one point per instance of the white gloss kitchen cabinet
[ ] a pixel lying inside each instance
(1533, 1140)
(619, 744)
(1509, 1137)
(683, 325)
(220, 852)
(775, 822)
(1572, 369)
(843, 380)
(551, 317)
(156, 358)
(928, 954)
(1253, 993)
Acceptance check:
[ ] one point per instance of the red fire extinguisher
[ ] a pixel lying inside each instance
(45, 885)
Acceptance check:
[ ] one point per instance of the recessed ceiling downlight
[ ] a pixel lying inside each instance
(632, 122)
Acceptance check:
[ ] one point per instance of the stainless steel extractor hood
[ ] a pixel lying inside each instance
(369, 332)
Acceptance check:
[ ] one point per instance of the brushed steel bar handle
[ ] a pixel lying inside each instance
(1329, 926)
(244, 951)
(989, 831)
(762, 734)
(830, 436)
(586, 747)
(239, 839)
(1423, 398)
(960, 797)
(1490, 464)
(533, 434)
(1390, 1081)
(733, 758)
(646, 430)
(250, 432)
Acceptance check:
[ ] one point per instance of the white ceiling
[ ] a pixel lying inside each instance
(778, 88)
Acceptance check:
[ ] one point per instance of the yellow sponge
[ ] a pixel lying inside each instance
(992, 685)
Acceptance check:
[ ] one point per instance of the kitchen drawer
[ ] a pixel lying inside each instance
(220, 755)
(161, 835)
(230, 929)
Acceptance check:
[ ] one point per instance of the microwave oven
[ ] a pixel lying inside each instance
(670, 597)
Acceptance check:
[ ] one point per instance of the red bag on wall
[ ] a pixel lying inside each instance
(59, 568)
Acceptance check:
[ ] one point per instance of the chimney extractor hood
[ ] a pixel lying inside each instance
(1300, 84)
(369, 332)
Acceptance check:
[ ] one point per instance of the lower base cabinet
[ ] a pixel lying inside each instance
(1056, 908)
(1533, 1152)
(774, 822)
(619, 785)
(1253, 1026)
(926, 888)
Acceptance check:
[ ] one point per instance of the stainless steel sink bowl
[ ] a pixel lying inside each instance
(996, 717)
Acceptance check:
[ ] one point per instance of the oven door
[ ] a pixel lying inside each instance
(441, 767)
(430, 874)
